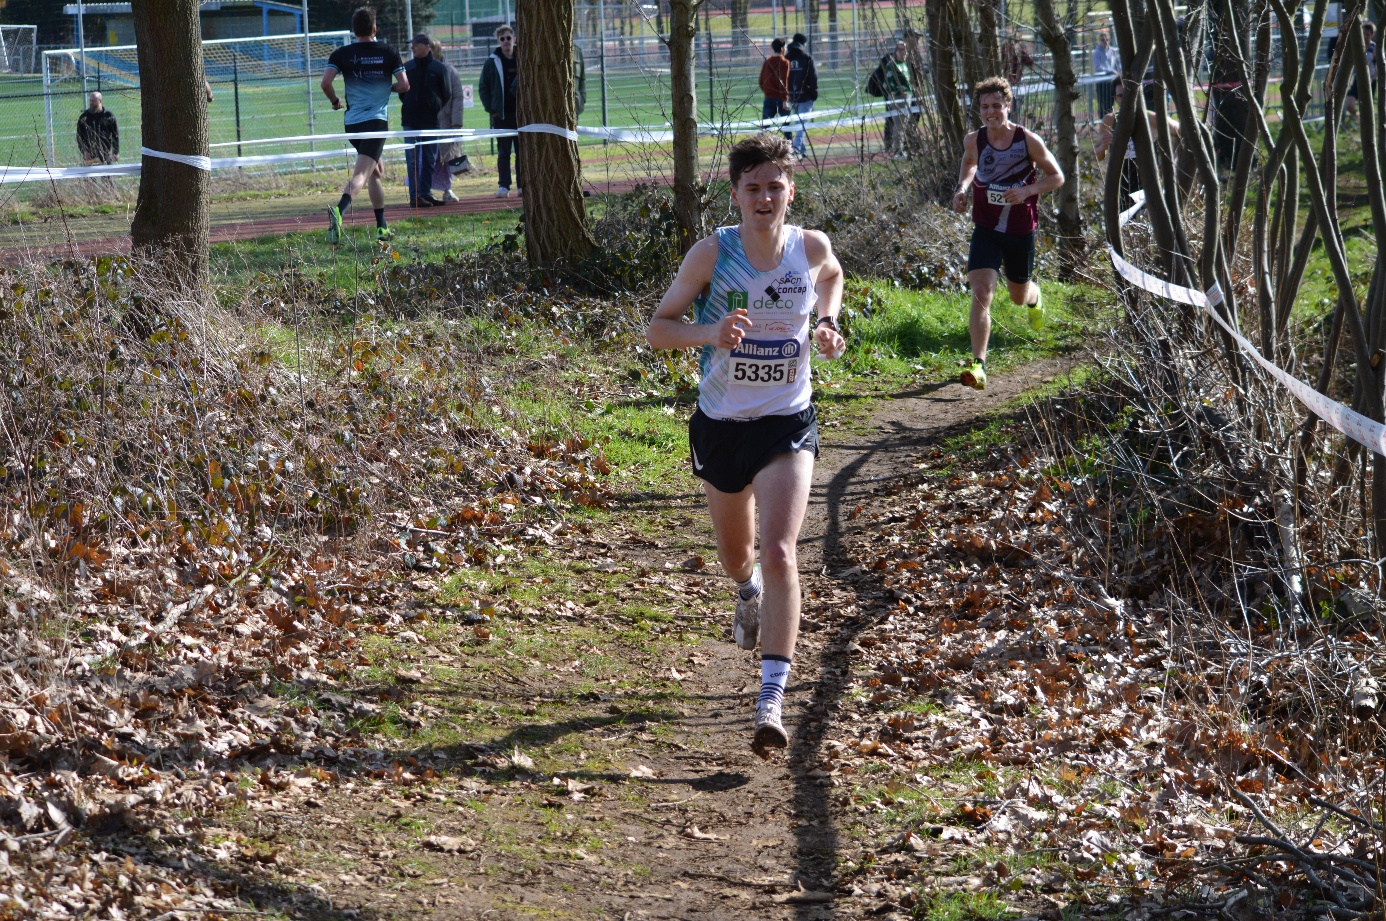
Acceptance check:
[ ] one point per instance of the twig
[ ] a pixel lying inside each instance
(1351, 816)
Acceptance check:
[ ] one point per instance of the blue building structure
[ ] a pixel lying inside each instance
(113, 23)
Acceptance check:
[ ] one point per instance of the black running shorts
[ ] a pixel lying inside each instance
(729, 453)
(992, 249)
(369, 147)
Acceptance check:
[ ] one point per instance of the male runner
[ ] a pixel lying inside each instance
(1001, 162)
(368, 68)
(754, 436)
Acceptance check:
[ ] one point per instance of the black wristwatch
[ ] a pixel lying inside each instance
(828, 322)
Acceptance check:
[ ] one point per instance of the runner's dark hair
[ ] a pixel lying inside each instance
(363, 21)
(761, 148)
(777, 45)
(993, 85)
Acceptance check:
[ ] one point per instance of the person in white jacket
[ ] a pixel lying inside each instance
(449, 117)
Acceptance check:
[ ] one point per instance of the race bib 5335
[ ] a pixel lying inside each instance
(765, 362)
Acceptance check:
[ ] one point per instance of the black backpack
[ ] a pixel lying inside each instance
(875, 84)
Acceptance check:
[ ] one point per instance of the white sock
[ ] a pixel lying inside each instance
(774, 674)
(752, 586)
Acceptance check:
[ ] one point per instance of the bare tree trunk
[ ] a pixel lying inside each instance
(833, 56)
(989, 35)
(943, 66)
(172, 217)
(688, 185)
(741, 23)
(556, 228)
(965, 41)
(1066, 95)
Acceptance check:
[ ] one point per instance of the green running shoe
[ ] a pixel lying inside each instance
(334, 225)
(384, 234)
(975, 376)
(1037, 311)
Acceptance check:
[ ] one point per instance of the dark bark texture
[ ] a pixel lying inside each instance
(556, 228)
(1066, 96)
(944, 71)
(688, 186)
(172, 216)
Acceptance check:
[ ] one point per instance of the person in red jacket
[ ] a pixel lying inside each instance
(774, 83)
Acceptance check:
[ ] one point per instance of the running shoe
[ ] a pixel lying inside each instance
(448, 196)
(1037, 311)
(334, 224)
(384, 234)
(769, 730)
(502, 192)
(975, 376)
(746, 625)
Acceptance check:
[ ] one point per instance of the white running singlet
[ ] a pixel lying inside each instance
(768, 373)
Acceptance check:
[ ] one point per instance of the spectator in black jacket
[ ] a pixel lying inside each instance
(803, 87)
(98, 135)
(428, 94)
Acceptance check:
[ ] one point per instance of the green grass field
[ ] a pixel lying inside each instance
(257, 109)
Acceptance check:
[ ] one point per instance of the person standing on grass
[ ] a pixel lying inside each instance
(1369, 38)
(428, 95)
(500, 78)
(895, 73)
(774, 84)
(1130, 173)
(803, 88)
(450, 117)
(1015, 59)
(98, 134)
(1007, 169)
(1105, 60)
(753, 439)
(370, 71)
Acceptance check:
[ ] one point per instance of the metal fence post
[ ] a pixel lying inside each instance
(711, 89)
(48, 111)
(236, 94)
(601, 54)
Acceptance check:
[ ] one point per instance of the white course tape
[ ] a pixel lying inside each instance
(856, 114)
(17, 174)
(1138, 197)
(567, 133)
(194, 160)
(1364, 431)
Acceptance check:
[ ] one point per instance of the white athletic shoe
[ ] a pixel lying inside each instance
(746, 625)
(448, 196)
(502, 192)
(769, 730)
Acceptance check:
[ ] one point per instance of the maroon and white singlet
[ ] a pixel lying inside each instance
(998, 169)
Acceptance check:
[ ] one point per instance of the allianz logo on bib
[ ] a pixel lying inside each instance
(767, 348)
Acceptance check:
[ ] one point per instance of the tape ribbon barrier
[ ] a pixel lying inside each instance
(1354, 425)
(859, 114)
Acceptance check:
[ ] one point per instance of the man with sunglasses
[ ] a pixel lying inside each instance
(499, 79)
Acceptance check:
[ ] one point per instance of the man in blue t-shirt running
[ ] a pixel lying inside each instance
(371, 71)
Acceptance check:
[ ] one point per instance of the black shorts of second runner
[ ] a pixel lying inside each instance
(369, 147)
(729, 453)
(992, 249)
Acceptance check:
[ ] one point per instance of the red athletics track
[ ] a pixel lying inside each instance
(316, 220)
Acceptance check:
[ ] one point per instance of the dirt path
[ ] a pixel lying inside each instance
(646, 801)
